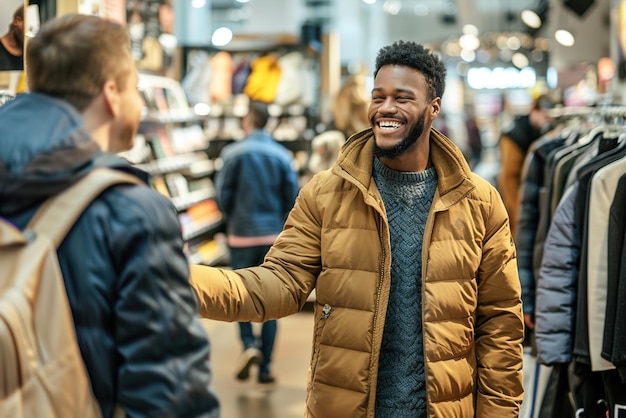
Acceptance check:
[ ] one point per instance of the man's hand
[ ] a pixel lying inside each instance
(528, 321)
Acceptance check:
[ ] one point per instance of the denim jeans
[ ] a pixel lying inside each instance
(249, 257)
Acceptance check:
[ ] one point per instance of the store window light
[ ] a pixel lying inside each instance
(501, 78)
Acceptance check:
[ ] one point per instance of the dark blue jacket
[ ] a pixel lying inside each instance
(256, 186)
(123, 266)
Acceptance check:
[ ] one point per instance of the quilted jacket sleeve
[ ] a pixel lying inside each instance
(163, 349)
(277, 288)
(499, 322)
(556, 285)
(527, 228)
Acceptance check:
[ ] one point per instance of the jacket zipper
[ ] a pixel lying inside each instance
(376, 312)
(428, 232)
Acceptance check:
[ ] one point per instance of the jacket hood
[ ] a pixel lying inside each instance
(44, 148)
(357, 156)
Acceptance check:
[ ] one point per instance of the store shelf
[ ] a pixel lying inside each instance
(193, 230)
(183, 202)
(168, 165)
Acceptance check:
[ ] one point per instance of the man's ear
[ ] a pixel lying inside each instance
(111, 97)
(435, 107)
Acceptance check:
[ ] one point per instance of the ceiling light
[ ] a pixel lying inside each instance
(519, 60)
(531, 19)
(392, 7)
(564, 37)
(470, 30)
(468, 55)
(222, 36)
(513, 43)
(469, 42)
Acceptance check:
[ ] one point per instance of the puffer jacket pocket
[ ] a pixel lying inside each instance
(322, 313)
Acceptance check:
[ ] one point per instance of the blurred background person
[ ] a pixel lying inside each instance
(12, 43)
(349, 115)
(474, 140)
(256, 188)
(514, 144)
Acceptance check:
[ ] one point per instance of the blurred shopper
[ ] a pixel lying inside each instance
(350, 106)
(514, 145)
(417, 310)
(474, 140)
(125, 272)
(256, 189)
(12, 43)
(349, 115)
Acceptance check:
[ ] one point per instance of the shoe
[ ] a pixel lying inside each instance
(250, 356)
(266, 379)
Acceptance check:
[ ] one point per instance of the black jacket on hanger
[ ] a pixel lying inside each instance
(614, 340)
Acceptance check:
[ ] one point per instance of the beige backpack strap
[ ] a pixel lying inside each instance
(56, 215)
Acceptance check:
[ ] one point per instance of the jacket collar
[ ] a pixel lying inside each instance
(453, 172)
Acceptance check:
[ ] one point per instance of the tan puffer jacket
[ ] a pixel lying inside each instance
(336, 240)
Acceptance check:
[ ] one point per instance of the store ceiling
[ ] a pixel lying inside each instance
(436, 21)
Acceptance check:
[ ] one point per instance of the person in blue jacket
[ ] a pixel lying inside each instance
(256, 188)
(123, 265)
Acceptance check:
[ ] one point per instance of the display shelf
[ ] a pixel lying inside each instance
(170, 145)
(192, 198)
(171, 164)
(194, 230)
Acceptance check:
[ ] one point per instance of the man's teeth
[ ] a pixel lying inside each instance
(389, 125)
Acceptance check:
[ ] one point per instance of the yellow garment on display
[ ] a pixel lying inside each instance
(263, 80)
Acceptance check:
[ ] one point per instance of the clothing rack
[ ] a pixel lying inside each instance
(610, 111)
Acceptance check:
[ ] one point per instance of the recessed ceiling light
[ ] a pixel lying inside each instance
(564, 37)
(531, 19)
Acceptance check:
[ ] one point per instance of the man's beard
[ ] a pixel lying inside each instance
(406, 143)
(18, 36)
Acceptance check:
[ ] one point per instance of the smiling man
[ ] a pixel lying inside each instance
(417, 311)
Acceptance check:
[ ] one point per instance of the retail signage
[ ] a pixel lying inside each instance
(501, 78)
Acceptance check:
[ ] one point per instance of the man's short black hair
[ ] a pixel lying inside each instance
(414, 55)
(259, 113)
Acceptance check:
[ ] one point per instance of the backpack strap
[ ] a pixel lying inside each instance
(57, 215)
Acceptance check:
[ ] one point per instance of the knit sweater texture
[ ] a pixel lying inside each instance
(407, 197)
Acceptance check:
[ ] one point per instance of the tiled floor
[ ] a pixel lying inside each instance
(290, 363)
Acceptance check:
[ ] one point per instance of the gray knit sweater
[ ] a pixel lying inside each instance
(407, 198)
